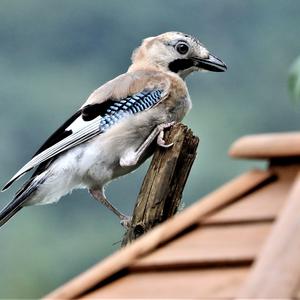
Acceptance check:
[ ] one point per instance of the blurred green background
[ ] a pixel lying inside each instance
(54, 53)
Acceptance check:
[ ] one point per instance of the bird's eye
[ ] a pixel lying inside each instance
(182, 48)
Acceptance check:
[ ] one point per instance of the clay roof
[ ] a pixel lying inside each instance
(241, 241)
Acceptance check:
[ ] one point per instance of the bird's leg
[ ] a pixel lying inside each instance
(131, 157)
(99, 196)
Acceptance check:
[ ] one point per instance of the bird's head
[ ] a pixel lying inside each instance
(177, 52)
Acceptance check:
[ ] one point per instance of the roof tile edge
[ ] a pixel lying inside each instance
(267, 146)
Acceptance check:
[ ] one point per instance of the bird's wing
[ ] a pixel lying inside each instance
(98, 115)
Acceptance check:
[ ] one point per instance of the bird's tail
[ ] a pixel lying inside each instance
(18, 202)
(9, 210)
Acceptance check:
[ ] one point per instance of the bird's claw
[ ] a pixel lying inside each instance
(161, 142)
(160, 138)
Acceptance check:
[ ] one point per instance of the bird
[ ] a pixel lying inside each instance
(114, 131)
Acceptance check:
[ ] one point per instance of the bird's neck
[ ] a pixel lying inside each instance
(152, 67)
(138, 66)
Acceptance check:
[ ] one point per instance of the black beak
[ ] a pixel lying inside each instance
(212, 63)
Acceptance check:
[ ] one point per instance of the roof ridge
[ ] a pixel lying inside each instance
(267, 146)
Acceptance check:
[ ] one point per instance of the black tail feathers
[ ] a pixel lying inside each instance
(9, 210)
(17, 203)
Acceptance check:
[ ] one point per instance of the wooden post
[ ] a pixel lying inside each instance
(162, 188)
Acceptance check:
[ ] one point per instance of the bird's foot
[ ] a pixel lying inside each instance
(160, 138)
(125, 221)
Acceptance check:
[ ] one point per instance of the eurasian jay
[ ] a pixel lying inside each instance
(110, 135)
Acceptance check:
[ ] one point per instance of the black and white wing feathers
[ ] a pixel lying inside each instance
(87, 123)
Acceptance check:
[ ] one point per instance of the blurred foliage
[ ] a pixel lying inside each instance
(294, 80)
(53, 53)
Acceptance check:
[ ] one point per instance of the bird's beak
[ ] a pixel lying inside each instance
(212, 63)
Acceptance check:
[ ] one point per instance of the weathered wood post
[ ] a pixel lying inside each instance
(162, 188)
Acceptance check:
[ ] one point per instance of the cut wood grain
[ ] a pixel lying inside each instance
(162, 188)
